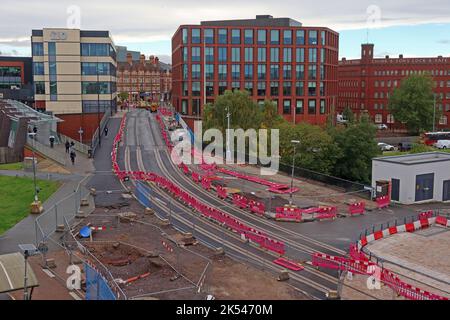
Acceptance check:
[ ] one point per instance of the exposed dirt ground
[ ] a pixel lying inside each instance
(134, 248)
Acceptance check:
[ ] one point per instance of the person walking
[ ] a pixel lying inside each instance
(67, 146)
(106, 131)
(73, 155)
(52, 141)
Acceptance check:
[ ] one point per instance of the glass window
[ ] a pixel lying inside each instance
(52, 49)
(236, 36)
(300, 71)
(300, 55)
(209, 89)
(312, 55)
(274, 89)
(196, 88)
(184, 106)
(286, 106)
(249, 87)
(236, 71)
(274, 37)
(185, 36)
(223, 36)
(262, 35)
(185, 54)
(248, 36)
(38, 68)
(185, 89)
(209, 36)
(222, 87)
(299, 109)
(312, 106)
(322, 89)
(322, 56)
(261, 71)
(312, 72)
(222, 54)
(39, 87)
(323, 37)
(274, 72)
(322, 71)
(209, 54)
(274, 55)
(235, 54)
(287, 88)
(322, 107)
(261, 89)
(195, 54)
(312, 37)
(248, 54)
(209, 70)
(185, 71)
(38, 49)
(222, 71)
(195, 36)
(196, 73)
(287, 72)
(287, 55)
(235, 85)
(54, 91)
(287, 37)
(248, 71)
(300, 37)
(262, 55)
(312, 86)
(94, 87)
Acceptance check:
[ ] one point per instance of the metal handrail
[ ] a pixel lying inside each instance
(46, 151)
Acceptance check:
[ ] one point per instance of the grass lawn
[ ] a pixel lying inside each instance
(11, 166)
(16, 195)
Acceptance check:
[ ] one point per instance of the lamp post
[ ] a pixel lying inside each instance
(28, 250)
(98, 108)
(228, 154)
(434, 112)
(295, 143)
(36, 206)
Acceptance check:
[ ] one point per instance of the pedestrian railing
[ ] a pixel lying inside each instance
(48, 152)
(95, 137)
(78, 146)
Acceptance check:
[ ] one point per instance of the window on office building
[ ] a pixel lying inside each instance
(312, 56)
(248, 52)
(312, 107)
(262, 55)
(286, 106)
(209, 36)
(89, 87)
(185, 36)
(262, 37)
(300, 55)
(322, 89)
(300, 37)
(195, 36)
(209, 54)
(248, 36)
(37, 49)
(38, 68)
(222, 87)
(261, 71)
(287, 55)
(312, 72)
(287, 88)
(274, 37)
(261, 89)
(209, 71)
(248, 71)
(287, 37)
(236, 36)
(300, 71)
(323, 37)
(185, 71)
(378, 118)
(196, 88)
(222, 71)
(235, 54)
(312, 86)
(235, 86)
(39, 87)
(195, 54)
(185, 88)
(235, 71)
(287, 72)
(322, 106)
(196, 72)
(299, 108)
(274, 55)
(274, 89)
(185, 54)
(274, 72)
(184, 107)
(312, 37)
(222, 54)
(300, 88)
(223, 36)
(249, 87)
(196, 107)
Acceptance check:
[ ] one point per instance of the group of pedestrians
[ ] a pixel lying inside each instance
(70, 149)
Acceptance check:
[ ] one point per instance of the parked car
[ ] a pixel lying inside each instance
(386, 147)
(382, 126)
(442, 144)
(405, 146)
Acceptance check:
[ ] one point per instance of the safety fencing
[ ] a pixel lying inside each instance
(298, 214)
(206, 211)
(46, 151)
(97, 287)
(358, 208)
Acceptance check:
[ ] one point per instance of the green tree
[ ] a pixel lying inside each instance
(348, 115)
(357, 149)
(413, 103)
(123, 96)
(270, 117)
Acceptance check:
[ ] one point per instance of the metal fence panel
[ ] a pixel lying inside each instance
(96, 286)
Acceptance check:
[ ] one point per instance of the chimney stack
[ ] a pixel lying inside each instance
(129, 58)
(142, 59)
(400, 56)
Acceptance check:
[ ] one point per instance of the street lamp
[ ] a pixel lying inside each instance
(434, 112)
(36, 206)
(27, 250)
(228, 154)
(295, 143)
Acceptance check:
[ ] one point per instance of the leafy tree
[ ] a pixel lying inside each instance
(123, 96)
(270, 117)
(348, 115)
(358, 147)
(413, 103)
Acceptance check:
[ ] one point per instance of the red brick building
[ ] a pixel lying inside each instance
(144, 79)
(273, 58)
(365, 84)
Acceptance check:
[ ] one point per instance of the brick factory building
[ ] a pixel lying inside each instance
(74, 73)
(273, 58)
(144, 79)
(365, 84)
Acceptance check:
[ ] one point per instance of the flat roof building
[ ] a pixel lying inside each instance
(16, 79)
(74, 75)
(275, 59)
(415, 178)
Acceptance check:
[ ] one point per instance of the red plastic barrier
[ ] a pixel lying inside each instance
(240, 201)
(275, 246)
(257, 207)
(327, 213)
(426, 214)
(221, 192)
(288, 264)
(383, 202)
(288, 214)
(441, 220)
(206, 184)
(356, 254)
(357, 208)
(195, 177)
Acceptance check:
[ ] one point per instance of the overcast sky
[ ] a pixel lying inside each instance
(411, 27)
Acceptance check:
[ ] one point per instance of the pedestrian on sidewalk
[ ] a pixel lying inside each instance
(106, 131)
(67, 146)
(73, 155)
(52, 141)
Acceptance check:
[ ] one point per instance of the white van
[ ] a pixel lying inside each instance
(442, 144)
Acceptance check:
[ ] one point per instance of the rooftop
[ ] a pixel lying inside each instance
(418, 158)
(259, 21)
